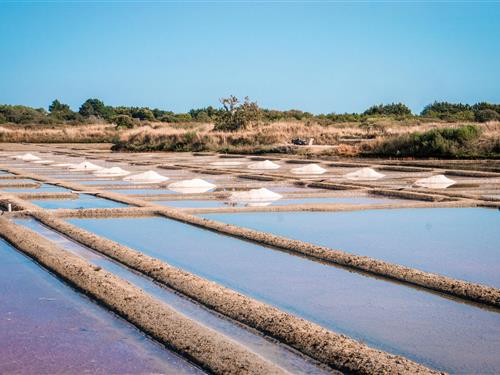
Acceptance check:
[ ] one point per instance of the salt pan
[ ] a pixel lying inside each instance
(364, 174)
(149, 177)
(435, 182)
(111, 172)
(255, 197)
(309, 169)
(266, 164)
(195, 185)
(27, 157)
(85, 166)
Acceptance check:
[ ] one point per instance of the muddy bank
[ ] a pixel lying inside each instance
(431, 196)
(326, 207)
(337, 351)
(46, 195)
(203, 346)
(10, 185)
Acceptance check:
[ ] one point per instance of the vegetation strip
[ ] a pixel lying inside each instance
(337, 351)
(205, 347)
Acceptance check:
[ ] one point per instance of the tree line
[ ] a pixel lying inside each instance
(233, 114)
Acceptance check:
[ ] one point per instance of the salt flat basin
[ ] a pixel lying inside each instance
(48, 327)
(267, 348)
(462, 243)
(83, 201)
(17, 181)
(436, 331)
(142, 191)
(42, 189)
(191, 203)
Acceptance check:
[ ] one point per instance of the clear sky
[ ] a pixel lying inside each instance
(316, 56)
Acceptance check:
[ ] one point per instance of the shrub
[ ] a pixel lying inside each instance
(486, 115)
(393, 109)
(444, 142)
(235, 115)
(124, 121)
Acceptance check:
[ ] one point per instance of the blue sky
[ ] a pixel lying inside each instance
(315, 56)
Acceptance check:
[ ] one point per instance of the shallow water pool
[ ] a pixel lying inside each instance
(83, 201)
(461, 243)
(42, 189)
(266, 347)
(47, 327)
(426, 327)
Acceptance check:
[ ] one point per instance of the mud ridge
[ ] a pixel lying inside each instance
(337, 351)
(205, 347)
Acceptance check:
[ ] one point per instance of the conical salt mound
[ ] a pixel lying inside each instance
(27, 157)
(85, 166)
(226, 163)
(193, 186)
(111, 172)
(435, 182)
(309, 169)
(255, 195)
(364, 174)
(149, 177)
(266, 164)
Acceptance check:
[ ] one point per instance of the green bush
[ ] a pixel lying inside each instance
(393, 109)
(444, 142)
(124, 121)
(236, 115)
(485, 115)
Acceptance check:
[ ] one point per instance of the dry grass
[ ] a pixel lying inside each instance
(347, 139)
(58, 134)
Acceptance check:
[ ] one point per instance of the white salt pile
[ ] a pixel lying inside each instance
(193, 186)
(309, 169)
(85, 166)
(435, 182)
(226, 163)
(266, 164)
(364, 174)
(43, 161)
(27, 157)
(255, 197)
(149, 177)
(111, 172)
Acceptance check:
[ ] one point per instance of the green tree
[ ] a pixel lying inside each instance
(393, 109)
(95, 107)
(235, 115)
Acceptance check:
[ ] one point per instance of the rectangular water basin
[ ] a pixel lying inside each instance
(83, 201)
(423, 326)
(266, 347)
(48, 327)
(42, 189)
(461, 243)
